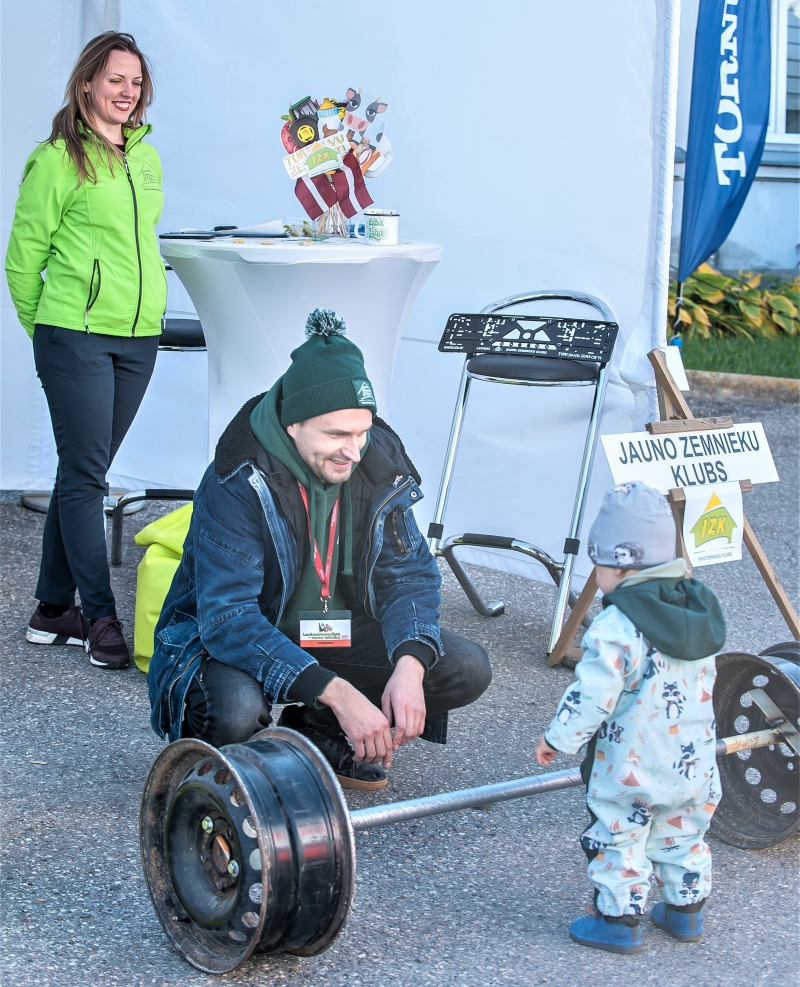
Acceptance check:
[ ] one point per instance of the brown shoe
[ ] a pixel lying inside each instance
(105, 644)
(66, 629)
(334, 747)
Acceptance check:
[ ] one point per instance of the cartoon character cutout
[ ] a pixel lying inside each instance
(364, 123)
(328, 120)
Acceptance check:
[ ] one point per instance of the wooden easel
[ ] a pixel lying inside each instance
(676, 416)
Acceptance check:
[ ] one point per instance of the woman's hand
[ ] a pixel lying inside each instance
(544, 752)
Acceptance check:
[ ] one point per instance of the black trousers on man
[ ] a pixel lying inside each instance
(94, 385)
(225, 705)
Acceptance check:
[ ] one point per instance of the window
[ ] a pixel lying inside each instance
(793, 72)
(784, 124)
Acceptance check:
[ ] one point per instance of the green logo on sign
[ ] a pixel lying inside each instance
(321, 157)
(364, 395)
(715, 522)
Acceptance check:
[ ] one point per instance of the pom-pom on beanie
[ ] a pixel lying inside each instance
(326, 374)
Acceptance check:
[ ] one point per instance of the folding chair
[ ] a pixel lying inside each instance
(531, 351)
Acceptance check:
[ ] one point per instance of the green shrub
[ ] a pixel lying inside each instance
(716, 306)
(779, 357)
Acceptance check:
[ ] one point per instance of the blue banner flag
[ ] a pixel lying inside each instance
(727, 122)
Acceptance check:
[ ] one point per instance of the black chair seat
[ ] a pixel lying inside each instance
(531, 368)
(183, 334)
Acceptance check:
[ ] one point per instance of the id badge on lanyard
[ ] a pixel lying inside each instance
(324, 628)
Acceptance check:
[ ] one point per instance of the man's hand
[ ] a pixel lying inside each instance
(366, 727)
(403, 700)
(544, 752)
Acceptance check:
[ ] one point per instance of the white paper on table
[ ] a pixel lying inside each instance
(272, 227)
(676, 368)
(713, 524)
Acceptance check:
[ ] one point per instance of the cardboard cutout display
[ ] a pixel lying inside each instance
(332, 147)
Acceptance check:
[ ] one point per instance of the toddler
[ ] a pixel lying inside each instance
(643, 703)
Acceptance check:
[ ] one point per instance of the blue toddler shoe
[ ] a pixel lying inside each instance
(615, 937)
(683, 926)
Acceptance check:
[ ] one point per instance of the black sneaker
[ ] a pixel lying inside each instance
(334, 747)
(69, 628)
(105, 644)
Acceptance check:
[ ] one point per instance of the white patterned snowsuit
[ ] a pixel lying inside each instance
(653, 785)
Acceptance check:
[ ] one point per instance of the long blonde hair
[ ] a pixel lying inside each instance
(77, 110)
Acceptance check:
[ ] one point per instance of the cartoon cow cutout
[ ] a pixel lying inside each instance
(363, 119)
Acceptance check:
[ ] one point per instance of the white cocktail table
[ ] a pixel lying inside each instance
(253, 299)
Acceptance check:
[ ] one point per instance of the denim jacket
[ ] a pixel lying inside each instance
(243, 555)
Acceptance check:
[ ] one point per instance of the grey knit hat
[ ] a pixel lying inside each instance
(635, 529)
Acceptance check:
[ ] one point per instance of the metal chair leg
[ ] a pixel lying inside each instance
(496, 608)
(436, 527)
(572, 544)
(117, 517)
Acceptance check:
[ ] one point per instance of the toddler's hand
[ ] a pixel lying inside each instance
(544, 752)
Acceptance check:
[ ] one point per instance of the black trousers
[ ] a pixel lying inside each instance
(225, 705)
(94, 385)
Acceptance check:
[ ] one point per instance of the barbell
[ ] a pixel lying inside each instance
(251, 847)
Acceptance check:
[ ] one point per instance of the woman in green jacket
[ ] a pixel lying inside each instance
(88, 205)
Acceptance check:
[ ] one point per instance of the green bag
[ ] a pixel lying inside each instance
(165, 538)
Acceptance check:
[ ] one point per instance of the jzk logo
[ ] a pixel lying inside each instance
(146, 176)
(364, 394)
(714, 522)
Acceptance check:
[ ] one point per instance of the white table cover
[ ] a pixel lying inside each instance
(253, 299)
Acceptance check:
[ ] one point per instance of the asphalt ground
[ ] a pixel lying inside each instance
(474, 898)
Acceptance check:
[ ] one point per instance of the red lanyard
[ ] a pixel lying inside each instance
(324, 575)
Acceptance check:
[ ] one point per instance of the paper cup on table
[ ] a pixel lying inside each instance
(379, 226)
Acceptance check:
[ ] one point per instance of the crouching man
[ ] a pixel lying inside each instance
(305, 580)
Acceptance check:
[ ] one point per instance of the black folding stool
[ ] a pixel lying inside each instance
(572, 358)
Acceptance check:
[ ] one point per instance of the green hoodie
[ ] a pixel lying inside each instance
(264, 420)
(95, 239)
(678, 615)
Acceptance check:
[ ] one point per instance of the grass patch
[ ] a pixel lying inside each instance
(779, 357)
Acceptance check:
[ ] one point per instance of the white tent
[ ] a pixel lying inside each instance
(534, 140)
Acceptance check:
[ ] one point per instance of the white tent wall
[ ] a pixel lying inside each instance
(533, 140)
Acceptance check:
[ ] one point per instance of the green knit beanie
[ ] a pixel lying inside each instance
(326, 374)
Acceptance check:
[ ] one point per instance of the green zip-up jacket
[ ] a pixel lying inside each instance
(95, 239)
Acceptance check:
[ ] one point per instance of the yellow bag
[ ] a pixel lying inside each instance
(154, 576)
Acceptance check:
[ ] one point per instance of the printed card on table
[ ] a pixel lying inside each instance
(317, 158)
(713, 523)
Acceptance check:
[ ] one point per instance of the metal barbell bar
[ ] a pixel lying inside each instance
(553, 781)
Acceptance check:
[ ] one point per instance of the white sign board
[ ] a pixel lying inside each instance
(713, 524)
(691, 459)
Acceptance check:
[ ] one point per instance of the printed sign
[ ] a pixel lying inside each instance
(713, 523)
(317, 158)
(691, 459)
